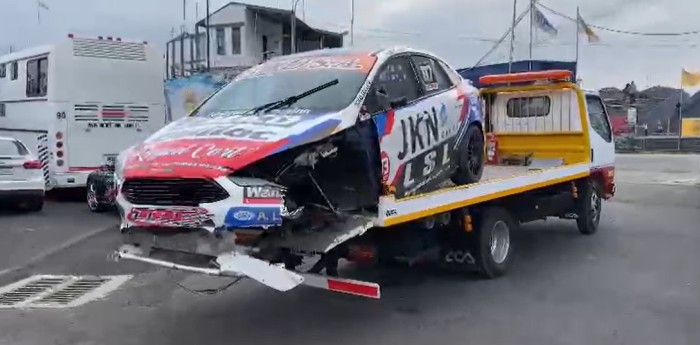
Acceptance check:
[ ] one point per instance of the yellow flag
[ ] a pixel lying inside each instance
(689, 79)
(583, 27)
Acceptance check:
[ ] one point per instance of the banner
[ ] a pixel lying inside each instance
(183, 95)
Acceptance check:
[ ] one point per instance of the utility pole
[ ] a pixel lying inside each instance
(352, 22)
(293, 37)
(208, 39)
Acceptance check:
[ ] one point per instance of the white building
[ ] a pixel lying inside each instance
(241, 36)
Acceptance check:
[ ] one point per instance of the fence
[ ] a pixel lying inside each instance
(657, 144)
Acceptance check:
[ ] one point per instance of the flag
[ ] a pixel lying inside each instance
(543, 23)
(584, 28)
(43, 5)
(689, 79)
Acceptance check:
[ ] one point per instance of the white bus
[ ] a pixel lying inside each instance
(81, 101)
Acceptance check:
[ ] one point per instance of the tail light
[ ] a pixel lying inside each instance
(59, 135)
(35, 164)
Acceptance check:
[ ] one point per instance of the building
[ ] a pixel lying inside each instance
(240, 36)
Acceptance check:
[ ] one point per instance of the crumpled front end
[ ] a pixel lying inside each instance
(220, 204)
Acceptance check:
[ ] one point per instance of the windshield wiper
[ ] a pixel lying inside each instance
(293, 99)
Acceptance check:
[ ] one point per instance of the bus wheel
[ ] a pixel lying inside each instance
(494, 247)
(588, 208)
(93, 201)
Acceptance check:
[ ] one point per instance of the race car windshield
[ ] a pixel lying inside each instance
(272, 82)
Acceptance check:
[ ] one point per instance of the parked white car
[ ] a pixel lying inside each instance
(21, 176)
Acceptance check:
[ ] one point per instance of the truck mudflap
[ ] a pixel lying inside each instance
(235, 264)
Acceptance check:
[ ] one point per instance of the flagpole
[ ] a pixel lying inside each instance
(578, 18)
(680, 114)
(512, 37)
(532, 16)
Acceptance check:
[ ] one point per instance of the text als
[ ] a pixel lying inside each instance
(424, 165)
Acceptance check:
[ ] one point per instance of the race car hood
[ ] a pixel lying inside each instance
(216, 145)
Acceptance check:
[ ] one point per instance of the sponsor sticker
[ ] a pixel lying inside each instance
(253, 217)
(264, 194)
(168, 217)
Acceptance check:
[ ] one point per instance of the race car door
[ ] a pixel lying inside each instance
(408, 127)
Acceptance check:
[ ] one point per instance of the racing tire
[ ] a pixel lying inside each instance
(91, 191)
(493, 247)
(470, 157)
(589, 206)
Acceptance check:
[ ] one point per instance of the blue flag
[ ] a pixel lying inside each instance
(543, 23)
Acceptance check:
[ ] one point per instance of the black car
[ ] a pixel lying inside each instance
(101, 191)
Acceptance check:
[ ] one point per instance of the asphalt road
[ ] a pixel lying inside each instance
(635, 282)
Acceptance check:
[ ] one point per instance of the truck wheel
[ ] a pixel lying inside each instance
(494, 248)
(470, 157)
(588, 207)
(93, 198)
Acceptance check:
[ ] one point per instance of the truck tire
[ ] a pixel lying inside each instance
(470, 157)
(588, 207)
(494, 248)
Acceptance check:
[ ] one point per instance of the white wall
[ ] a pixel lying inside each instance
(256, 30)
(563, 115)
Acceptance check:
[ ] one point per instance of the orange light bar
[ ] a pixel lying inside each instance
(551, 75)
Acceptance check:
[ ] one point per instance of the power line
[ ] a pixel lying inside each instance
(638, 33)
(406, 33)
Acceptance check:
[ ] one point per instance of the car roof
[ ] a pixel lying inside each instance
(346, 51)
(324, 52)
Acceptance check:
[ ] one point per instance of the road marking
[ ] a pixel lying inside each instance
(58, 291)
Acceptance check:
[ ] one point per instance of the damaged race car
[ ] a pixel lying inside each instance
(306, 142)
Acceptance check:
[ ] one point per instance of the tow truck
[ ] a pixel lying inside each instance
(549, 153)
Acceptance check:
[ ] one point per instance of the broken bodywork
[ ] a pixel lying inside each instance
(300, 173)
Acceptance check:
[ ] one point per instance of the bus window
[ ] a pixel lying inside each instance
(2, 70)
(37, 77)
(13, 71)
(43, 75)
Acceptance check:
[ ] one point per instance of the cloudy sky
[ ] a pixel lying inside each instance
(458, 30)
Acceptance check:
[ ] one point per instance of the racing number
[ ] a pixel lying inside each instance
(61, 115)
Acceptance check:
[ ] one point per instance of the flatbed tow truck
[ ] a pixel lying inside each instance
(550, 153)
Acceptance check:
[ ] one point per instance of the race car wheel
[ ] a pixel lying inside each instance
(93, 197)
(470, 157)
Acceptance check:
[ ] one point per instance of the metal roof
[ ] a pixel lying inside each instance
(275, 14)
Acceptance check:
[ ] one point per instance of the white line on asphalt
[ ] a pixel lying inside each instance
(73, 241)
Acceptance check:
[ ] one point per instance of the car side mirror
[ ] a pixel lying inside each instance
(398, 102)
(381, 92)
